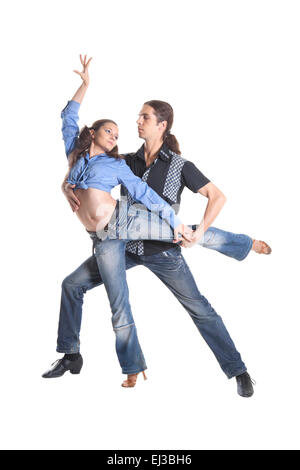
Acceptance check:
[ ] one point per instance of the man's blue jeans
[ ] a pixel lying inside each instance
(170, 267)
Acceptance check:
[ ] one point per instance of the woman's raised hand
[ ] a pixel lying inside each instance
(85, 71)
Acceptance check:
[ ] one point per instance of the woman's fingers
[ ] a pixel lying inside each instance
(80, 74)
(85, 64)
(88, 62)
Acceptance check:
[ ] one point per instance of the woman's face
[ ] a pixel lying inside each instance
(106, 137)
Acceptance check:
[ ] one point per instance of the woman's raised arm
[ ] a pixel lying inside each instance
(69, 114)
(70, 128)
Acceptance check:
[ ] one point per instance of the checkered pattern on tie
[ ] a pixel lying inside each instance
(137, 247)
(173, 180)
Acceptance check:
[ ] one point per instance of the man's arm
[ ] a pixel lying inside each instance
(197, 182)
(216, 201)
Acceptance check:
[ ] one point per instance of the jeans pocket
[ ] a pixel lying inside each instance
(172, 252)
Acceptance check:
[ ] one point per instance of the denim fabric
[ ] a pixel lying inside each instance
(107, 266)
(136, 223)
(234, 245)
(110, 257)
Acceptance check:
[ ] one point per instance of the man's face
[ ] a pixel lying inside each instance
(147, 124)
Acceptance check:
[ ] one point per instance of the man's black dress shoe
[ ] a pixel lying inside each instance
(244, 385)
(63, 365)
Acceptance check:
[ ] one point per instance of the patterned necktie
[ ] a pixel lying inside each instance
(137, 247)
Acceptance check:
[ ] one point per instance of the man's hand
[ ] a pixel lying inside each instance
(67, 189)
(184, 231)
(196, 236)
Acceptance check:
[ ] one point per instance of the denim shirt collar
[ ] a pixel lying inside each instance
(87, 156)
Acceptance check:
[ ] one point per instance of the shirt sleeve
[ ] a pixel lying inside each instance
(129, 158)
(76, 174)
(141, 192)
(70, 129)
(192, 177)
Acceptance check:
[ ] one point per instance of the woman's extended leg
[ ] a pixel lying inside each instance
(135, 222)
(234, 245)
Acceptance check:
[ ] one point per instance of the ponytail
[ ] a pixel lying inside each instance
(83, 143)
(172, 143)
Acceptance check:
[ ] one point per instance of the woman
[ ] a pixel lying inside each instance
(95, 168)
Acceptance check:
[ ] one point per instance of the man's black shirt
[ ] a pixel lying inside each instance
(168, 175)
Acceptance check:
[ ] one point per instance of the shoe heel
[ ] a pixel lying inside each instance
(74, 371)
(130, 384)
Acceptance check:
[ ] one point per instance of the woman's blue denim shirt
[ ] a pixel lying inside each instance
(104, 172)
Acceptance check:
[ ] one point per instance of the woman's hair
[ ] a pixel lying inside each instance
(84, 141)
(164, 112)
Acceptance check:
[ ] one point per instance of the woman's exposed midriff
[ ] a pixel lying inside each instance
(96, 208)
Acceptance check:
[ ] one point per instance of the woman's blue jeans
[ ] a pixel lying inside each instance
(135, 222)
(108, 266)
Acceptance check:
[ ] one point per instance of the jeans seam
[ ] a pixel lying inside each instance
(122, 327)
(237, 373)
(133, 372)
(70, 351)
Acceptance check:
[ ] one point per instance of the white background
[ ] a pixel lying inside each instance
(230, 69)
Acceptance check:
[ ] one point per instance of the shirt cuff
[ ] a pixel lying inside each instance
(71, 106)
(177, 221)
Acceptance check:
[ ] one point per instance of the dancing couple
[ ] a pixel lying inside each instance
(141, 228)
